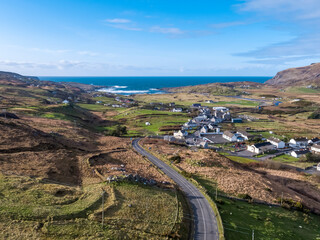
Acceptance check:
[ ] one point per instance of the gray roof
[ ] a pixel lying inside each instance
(228, 134)
(272, 139)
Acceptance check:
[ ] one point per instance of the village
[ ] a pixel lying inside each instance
(205, 131)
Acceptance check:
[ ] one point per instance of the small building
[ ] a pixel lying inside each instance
(209, 101)
(190, 124)
(315, 148)
(244, 134)
(261, 147)
(318, 167)
(196, 105)
(221, 109)
(180, 134)
(172, 104)
(169, 138)
(147, 123)
(204, 129)
(314, 140)
(299, 153)
(202, 144)
(98, 102)
(229, 136)
(66, 102)
(301, 142)
(276, 142)
(177, 110)
(236, 120)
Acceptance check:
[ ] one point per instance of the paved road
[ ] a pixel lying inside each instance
(205, 222)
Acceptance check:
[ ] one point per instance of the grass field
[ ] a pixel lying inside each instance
(240, 218)
(240, 159)
(33, 209)
(287, 159)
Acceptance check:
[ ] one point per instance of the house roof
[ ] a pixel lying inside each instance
(272, 139)
(244, 133)
(299, 152)
(316, 146)
(228, 134)
(263, 144)
(301, 139)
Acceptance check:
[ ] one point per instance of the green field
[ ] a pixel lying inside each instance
(240, 159)
(240, 218)
(34, 209)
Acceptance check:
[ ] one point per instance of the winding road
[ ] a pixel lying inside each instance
(205, 221)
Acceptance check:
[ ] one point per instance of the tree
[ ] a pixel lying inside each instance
(120, 130)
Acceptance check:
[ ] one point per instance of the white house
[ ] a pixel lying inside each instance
(230, 136)
(190, 124)
(221, 109)
(177, 110)
(298, 142)
(315, 148)
(260, 147)
(200, 118)
(318, 167)
(244, 134)
(66, 102)
(180, 134)
(314, 140)
(276, 142)
(204, 129)
(148, 123)
(299, 153)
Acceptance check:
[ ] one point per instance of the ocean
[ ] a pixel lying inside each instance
(149, 85)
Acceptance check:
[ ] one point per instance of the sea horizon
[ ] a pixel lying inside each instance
(128, 85)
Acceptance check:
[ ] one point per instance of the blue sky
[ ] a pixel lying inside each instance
(158, 37)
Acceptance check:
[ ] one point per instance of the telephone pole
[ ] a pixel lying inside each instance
(102, 217)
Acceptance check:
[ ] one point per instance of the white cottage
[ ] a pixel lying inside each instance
(276, 142)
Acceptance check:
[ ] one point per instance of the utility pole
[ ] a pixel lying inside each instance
(102, 217)
(216, 192)
(252, 234)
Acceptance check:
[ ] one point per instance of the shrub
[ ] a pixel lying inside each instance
(245, 196)
(175, 159)
(315, 115)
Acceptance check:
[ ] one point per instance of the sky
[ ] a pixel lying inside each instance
(158, 37)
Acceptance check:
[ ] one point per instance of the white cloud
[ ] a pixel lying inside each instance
(294, 9)
(118, 20)
(172, 31)
(125, 27)
(302, 19)
(88, 53)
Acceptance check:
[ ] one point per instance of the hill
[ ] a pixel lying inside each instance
(231, 88)
(301, 76)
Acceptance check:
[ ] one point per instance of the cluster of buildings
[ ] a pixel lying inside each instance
(195, 131)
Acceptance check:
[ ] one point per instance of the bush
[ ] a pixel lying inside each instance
(175, 159)
(119, 131)
(245, 196)
(186, 174)
(315, 115)
(312, 157)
